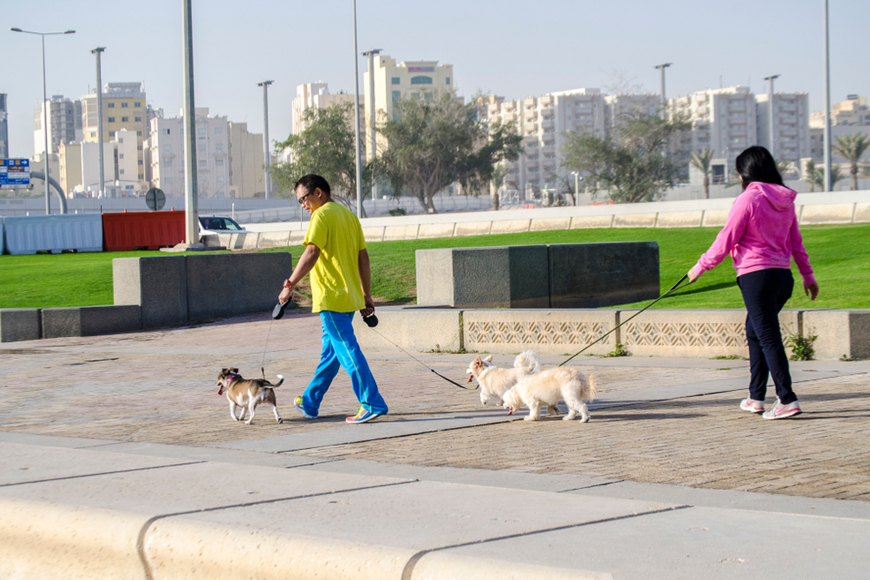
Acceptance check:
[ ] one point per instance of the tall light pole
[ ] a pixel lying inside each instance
(662, 68)
(370, 107)
(97, 51)
(265, 85)
(191, 219)
(770, 109)
(46, 121)
(827, 136)
(356, 118)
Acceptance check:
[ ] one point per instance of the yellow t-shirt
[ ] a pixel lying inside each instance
(335, 283)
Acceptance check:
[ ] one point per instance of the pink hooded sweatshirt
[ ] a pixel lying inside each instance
(761, 233)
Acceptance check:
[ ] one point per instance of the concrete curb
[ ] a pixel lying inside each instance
(55, 541)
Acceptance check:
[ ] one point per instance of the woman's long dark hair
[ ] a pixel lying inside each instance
(757, 164)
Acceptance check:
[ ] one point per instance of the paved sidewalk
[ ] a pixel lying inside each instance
(669, 479)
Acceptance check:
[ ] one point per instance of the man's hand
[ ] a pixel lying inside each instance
(285, 295)
(811, 290)
(370, 306)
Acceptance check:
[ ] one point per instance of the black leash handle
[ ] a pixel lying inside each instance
(676, 286)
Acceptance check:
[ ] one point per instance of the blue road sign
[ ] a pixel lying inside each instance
(14, 171)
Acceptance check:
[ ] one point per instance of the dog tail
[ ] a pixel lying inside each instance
(278, 384)
(593, 389)
(529, 361)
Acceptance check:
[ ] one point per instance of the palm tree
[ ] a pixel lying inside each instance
(851, 148)
(809, 171)
(784, 167)
(701, 162)
(818, 176)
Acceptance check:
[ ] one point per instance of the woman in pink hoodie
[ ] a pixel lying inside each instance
(762, 236)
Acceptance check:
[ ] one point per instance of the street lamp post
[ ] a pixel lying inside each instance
(576, 187)
(265, 85)
(827, 137)
(46, 121)
(370, 108)
(662, 68)
(191, 186)
(770, 109)
(356, 118)
(98, 51)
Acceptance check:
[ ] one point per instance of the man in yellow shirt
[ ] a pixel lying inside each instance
(341, 283)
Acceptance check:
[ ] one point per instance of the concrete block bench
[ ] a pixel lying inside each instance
(89, 321)
(539, 276)
(176, 290)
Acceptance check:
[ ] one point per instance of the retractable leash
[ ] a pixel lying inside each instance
(676, 286)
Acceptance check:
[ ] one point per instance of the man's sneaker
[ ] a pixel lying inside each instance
(363, 416)
(752, 405)
(781, 411)
(297, 402)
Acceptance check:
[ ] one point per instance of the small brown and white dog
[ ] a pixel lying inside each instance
(548, 388)
(247, 394)
(494, 381)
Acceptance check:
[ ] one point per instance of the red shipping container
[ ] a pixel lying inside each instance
(142, 229)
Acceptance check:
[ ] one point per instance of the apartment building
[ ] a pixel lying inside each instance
(124, 108)
(80, 167)
(723, 120)
(791, 127)
(621, 106)
(4, 128)
(542, 122)
(64, 123)
(166, 154)
(852, 111)
(316, 96)
(392, 81)
(247, 176)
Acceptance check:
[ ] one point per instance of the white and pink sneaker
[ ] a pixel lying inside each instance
(781, 411)
(752, 405)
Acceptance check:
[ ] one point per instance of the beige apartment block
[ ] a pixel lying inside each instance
(316, 96)
(247, 176)
(392, 81)
(852, 111)
(70, 167)
(124, 107)
(166, 144)
(723, 120)
(817, 142)
(542, 122)
(791, 125)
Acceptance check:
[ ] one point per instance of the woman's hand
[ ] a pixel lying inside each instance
(811, 290)
(693, 276)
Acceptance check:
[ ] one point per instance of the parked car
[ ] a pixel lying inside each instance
(212, 225)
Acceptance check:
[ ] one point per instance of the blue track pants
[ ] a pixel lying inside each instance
(340, 349)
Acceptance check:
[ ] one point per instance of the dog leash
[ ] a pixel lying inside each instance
(416, 359)
(676, 286)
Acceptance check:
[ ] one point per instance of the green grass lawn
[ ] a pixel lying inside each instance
(840, 256)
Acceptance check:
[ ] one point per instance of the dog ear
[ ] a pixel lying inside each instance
(224, 371)
(236, 371)
(488, 359)
(476, 361)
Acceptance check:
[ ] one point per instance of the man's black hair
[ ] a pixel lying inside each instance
(311, 182)
(757, 164)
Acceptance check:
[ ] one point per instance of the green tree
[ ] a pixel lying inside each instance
(810, 175)
(701, 161)
(435, 140)
(498, 175)
(851, 148)
(634, 162)
(817, 177)
(325, 147)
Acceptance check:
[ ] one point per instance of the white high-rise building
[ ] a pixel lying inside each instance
(791, 125)
(315, 96)
(723, 120)
(394, 81)
(542, 122)
(64, 126)
(166, 145)
(618, 107)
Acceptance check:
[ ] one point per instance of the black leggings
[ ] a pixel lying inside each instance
(765, 292)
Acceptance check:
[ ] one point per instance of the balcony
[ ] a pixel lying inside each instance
(531, 115)
(529, 102)
(548, 150)
(546, 100)
(548, 123)
(548, 112)
(530, 139)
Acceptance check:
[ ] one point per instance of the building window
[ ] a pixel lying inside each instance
(111, 105)
(218, 130)
(137, 104)
(166, 131)
(218, 146)
(396, 96)
(167, 148)
(121, 172)
(139, 148)
(125, 119)
(201, 130)
(218, 162)
(138, 133)
(138, 119)
(202, 147)
(125, 105)
(203, 163)
(141, 162)
(167, 180)
(220, 179)
(111, 119)
(395, 80)
(421, 80)
(111, 133)
(448, 80)
(120, 155)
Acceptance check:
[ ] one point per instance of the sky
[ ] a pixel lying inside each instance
(513, 49)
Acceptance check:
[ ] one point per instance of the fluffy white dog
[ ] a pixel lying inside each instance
(549, 387)
(494, 381)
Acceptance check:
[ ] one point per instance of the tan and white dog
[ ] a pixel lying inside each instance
(494, 381)
(247, 394)
(548, 388)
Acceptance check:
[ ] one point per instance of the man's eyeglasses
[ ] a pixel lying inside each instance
(301, 199)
